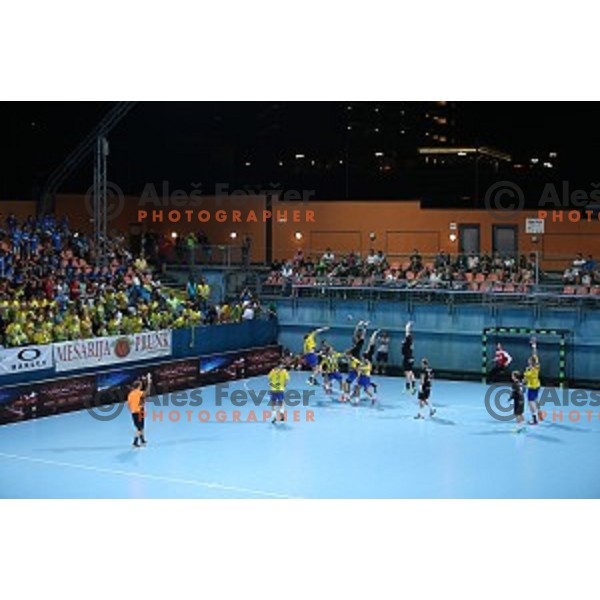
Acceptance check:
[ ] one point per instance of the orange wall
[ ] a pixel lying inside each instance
(345, 226)
(402, 226)
(21, 208)
(123, 214)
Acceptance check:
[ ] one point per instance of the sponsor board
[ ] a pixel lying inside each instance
(94, 391)
(230, 366)
(84, 354)
(25, 359)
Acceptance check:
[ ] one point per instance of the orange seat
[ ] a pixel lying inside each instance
(480, 277)
(568, 289)
(582, 290)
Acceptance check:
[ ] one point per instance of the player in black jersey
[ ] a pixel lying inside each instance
(425, 389)
(408, 359)
(358, 338)
(518, 397)
(370, 351)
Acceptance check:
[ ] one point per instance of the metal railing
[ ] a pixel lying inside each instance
(458, 294)
(216, 255)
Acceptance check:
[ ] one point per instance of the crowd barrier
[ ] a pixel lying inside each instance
(101, 389)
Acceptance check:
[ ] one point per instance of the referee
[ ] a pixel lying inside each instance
(135, 400)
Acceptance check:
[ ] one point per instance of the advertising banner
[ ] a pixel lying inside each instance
(110, 387)
(83, 354)
(25, 359)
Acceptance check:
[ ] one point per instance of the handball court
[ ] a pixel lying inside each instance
(345, 452)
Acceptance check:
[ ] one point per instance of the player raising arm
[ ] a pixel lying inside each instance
(136, 401)
(311, 360)
(358, 338)
(502, 360)
(533, 383)
(370, 351)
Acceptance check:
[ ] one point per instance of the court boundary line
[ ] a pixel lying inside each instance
(165, 478)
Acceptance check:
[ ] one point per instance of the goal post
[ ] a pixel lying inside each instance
(517, 335)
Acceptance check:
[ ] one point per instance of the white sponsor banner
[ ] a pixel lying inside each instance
(95, 352)
(27, 358)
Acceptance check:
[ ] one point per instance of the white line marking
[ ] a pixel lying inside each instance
(204, 484)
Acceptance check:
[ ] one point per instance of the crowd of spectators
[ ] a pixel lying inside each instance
(582, 272)
(51, 289)
(472, 271)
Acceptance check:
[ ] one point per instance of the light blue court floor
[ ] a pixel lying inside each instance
(347, 452)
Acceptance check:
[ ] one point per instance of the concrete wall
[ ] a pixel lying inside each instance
(451, 339)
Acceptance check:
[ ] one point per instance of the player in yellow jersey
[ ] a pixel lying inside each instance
(353, 364)
(310, 356)
(278, 380)
(533, 383)
(330, 369)
(364, 369)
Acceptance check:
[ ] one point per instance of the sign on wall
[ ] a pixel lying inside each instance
(534, 226)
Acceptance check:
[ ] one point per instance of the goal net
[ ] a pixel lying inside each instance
(551, 349)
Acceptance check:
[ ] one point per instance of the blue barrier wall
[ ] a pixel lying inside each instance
(187, 343)
(451, 336)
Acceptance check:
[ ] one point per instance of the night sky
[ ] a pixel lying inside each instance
(188, 142)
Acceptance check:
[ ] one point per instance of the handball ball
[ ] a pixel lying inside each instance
(350, 317)
(372, 236)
